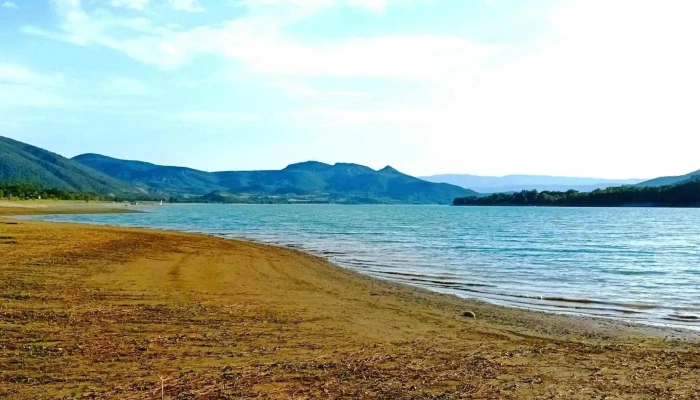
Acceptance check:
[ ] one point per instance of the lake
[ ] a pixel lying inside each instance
(637, 264)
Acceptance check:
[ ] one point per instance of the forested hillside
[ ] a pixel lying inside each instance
(682, 195)
(20, 162)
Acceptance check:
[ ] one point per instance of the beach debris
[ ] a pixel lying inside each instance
(468, 314)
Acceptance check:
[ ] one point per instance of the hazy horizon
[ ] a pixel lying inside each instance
(534, 176)
(570, 88)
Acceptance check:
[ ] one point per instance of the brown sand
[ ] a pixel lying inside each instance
(99, 312)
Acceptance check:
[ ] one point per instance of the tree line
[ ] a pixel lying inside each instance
(686, 194)
(17, 190)
(28, 191)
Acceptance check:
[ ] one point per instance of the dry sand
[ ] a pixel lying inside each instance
(98, 312)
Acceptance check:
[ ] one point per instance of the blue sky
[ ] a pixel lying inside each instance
(567, 87)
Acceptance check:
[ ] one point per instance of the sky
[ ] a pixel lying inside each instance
(597, 88)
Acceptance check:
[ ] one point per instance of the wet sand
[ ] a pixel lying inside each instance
(102, 312)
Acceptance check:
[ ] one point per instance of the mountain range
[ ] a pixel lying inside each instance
(517, 183)
(310, 181)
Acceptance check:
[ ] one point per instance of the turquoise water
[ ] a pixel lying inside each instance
(639, 264)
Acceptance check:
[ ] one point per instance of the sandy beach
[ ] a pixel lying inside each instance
(110, 313)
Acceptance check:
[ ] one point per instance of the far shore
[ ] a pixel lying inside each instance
(107, 312)
(47, 207)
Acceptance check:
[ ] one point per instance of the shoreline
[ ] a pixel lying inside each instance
(553, 304)
(77, 208)
(528, 307)
(283, 321)
(23, 208)
(652, 328)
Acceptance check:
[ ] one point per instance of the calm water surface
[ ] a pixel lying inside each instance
(641, 264)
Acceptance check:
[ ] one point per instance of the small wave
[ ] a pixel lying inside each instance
(691, 271)
(606, 305)
(683, 317)
(439, 283)
(631, 272)
(329, 252)
(452, 281)
(569, 300)
(637, 306)
(559, 307)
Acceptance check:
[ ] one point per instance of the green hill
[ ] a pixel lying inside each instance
(177, 180)
(310, 179)
(670, 180)
(20, 162)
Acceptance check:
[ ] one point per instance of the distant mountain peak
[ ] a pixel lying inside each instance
(352, 168)
(83, 158)
(307, 166)
(389, 170)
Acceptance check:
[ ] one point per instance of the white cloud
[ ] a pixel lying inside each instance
(300, 91)
(23, 87)
(605, 86)
(346, 93)
(372, 5)
(81, 28)
(26, 96)
(604, 76)
(133, 4)
(346, 117)
(401, 57)
(296, 90)
(186, 5)
(124, 86)
(216, 117)
(21, 75)
(259, 43)
(19, 120)
(9, 4)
